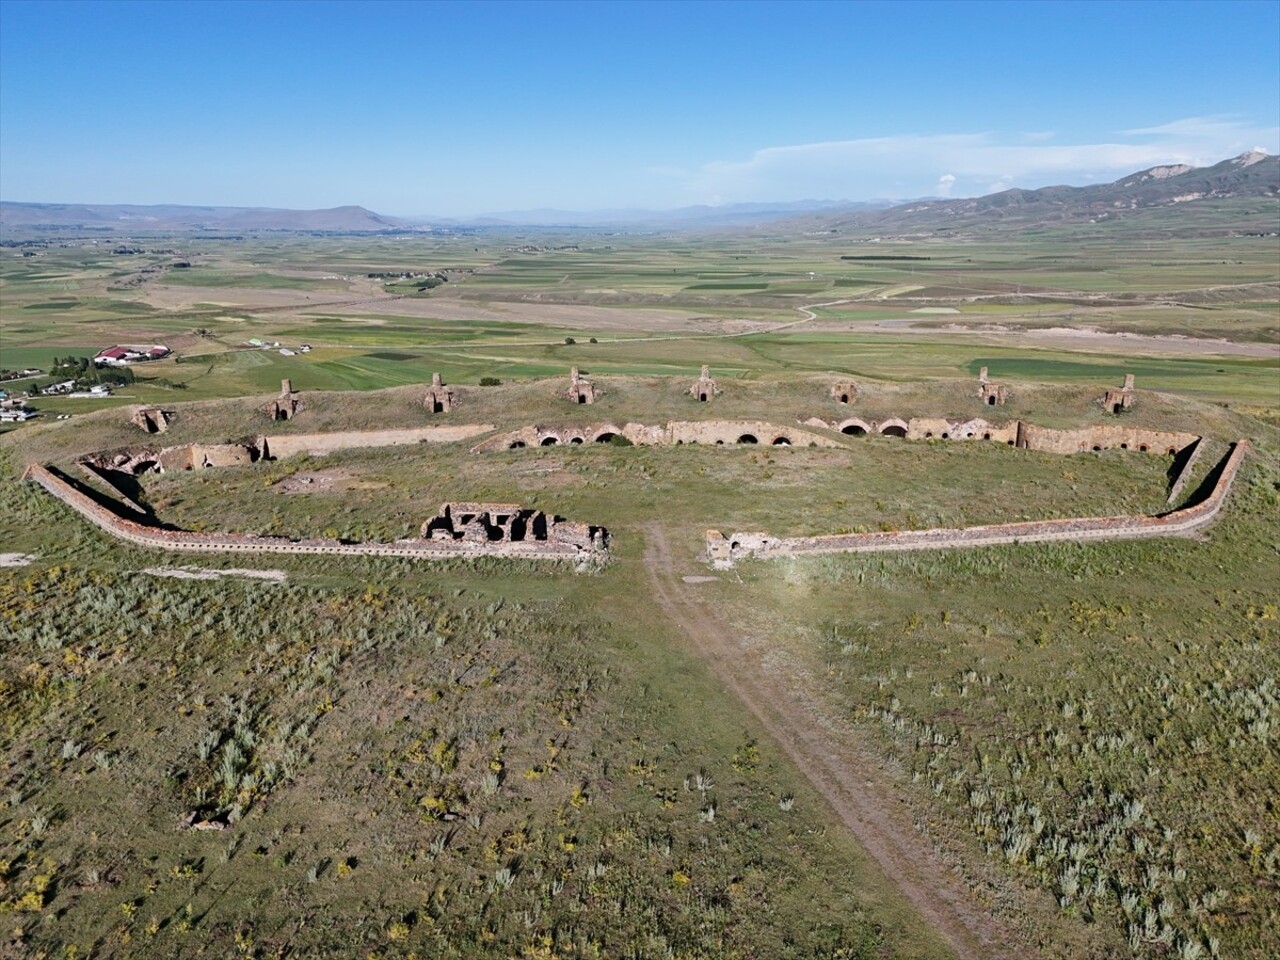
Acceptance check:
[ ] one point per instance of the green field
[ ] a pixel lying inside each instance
(491, 758)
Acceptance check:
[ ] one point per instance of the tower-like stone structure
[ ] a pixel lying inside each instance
(705, 388)
(581, 390)
(439, 398)
(286, 406)
(992, 394)
(1115, 400)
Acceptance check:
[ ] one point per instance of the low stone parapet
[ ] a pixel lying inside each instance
(565, 546)
(723, 551)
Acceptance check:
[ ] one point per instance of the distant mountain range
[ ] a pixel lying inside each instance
(1237, 195)
(174, 218)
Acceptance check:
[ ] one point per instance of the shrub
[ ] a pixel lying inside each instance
(569, 341)
(490, 382)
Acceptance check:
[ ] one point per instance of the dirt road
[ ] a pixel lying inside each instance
(843, 771)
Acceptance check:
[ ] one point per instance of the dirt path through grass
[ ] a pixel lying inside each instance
(843, 771)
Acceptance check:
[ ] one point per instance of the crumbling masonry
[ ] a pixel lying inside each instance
(1115, 400)
(705, 388)
(439, 398)
(286, 406)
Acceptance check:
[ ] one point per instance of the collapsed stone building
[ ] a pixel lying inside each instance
(992, 394)
(1116, 400)
(286, 406)
(581, 390)
(440, 398)
(152, 419)
(510, 523)
(705, 387)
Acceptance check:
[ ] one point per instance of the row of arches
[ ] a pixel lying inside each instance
(575, 439)
(860, 428)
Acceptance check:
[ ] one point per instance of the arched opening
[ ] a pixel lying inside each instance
(1115, 407)
(1096, 448)
(929, 435)
(986, 436)
(144, 466)
(1124, 446)
(436, 407)
(991, 400)
(781, 442)
(893, 430)
(605, 437)
(582, 398)
(702, 397)
(1143, 448)
(1172, 451)
(844, 398)
(719, 443)
(854, 430)
(549, 441)
(576, 440)
(747, 438)
(946, 436)
(516, 445)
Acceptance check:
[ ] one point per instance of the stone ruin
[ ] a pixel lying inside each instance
(439, 398)
(844, 391)
(509, 523)
(152, 419)
(705, 388)
(992, 394)
(580, 389)
(1113, 401)
(286, 406)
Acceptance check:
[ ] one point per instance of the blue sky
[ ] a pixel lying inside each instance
(464, 108)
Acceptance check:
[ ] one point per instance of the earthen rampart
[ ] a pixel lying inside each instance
(559, 544)
(725, 551)
(287, 445)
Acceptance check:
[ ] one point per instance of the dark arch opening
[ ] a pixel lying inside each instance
(605, 437)
(781, 442)
(549, 442)
(946, 436)
(991, 400)
(702, 397)
(844, 398)
(747, 438)
(582, 398)
(929, 435)
(1172, 451)
(986, 436)
(516, 445)
(893, 430)
(576, 440)
(1143, 448)
(854, 430)
(1096, 449)
(1124, 446)
(1115, 407)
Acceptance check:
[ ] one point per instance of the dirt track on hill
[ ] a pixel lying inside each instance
(842, 770)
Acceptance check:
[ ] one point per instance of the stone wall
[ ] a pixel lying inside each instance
(714, 432)
(1017, 432)
(565, 546)
(725, 551)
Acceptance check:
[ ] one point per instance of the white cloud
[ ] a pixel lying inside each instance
(966, 164)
